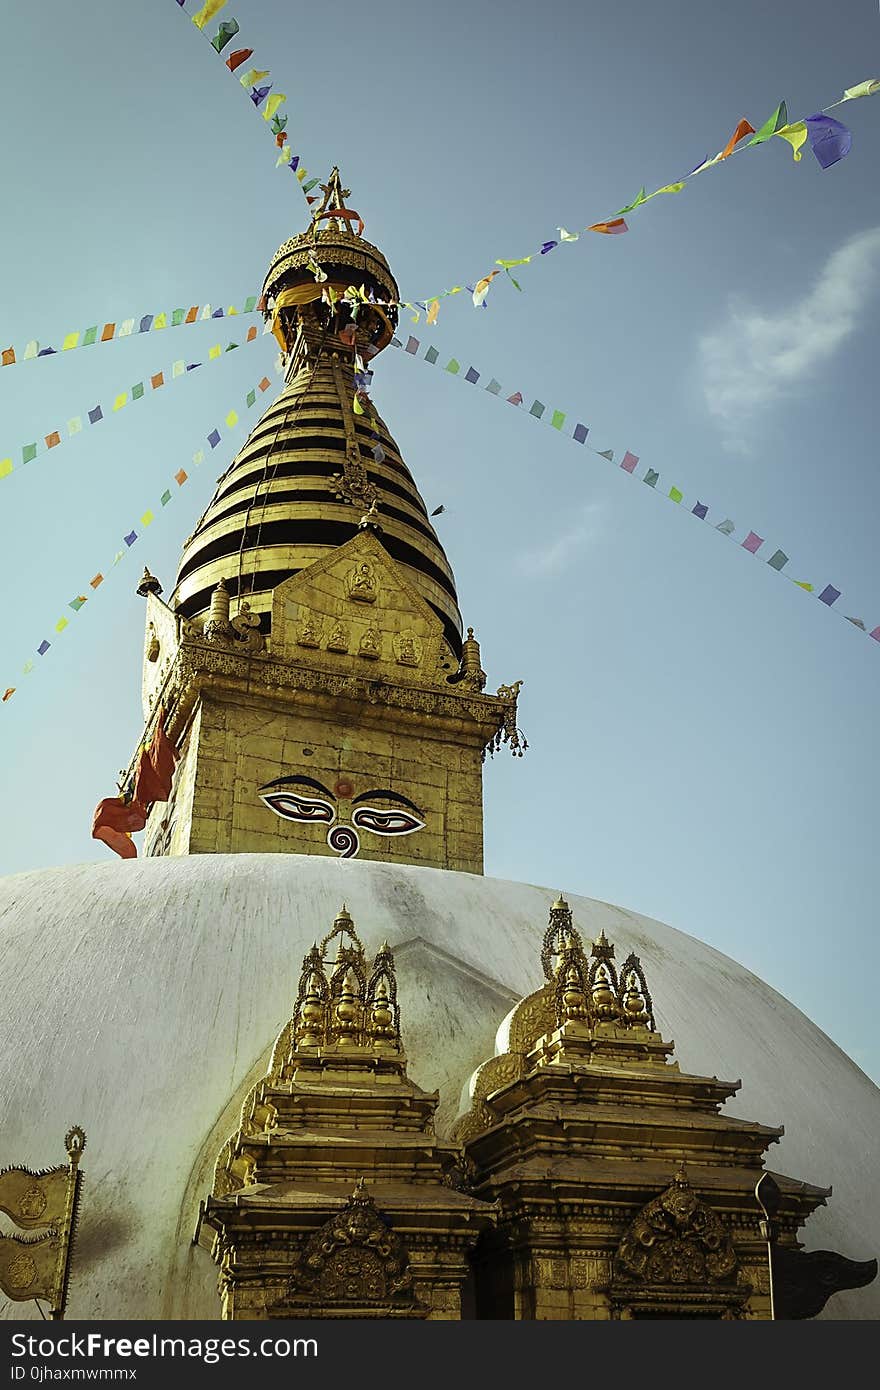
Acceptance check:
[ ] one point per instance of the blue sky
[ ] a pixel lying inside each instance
(703, 733)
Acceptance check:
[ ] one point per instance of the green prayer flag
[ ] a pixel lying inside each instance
(640, 198)
(536, 409)
(607, 454)
(778, 560)
(523, 260)
(770, 127)
(250, 304)
(251, 397)
(76, 604)
(28, 452)
(675, 495)
(652, 477)
(137, 391)
(307, 187)
(177, 317)
(230, 346)
(558, 419)
(431, 354)
(165, 498)
(452, 366)
(90, 336)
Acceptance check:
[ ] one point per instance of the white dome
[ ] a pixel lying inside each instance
(140, 1000)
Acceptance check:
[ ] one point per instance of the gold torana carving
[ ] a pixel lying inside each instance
(676, 1239)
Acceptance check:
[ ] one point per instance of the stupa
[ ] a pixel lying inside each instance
(441, 1107)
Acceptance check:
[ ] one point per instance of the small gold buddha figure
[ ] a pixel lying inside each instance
(382, 1014)
(310, 1027)
(604, 999)
(309, 632)
(407, 651)
(347, 1005)
(371, 644)
(362, 583)
(573, 1002)
(338, 639)
(635, 1010)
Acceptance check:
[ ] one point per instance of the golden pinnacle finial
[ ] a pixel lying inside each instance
(149, 584)
(681, 1177)
(560, 905)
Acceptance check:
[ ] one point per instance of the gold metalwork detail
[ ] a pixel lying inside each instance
(371, 643)
(339, 638)
(361, 584)
(309, 631)
(355, 1260)
(676, 1239)
(407, 648)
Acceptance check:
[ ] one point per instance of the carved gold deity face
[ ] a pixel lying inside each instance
(379, 812)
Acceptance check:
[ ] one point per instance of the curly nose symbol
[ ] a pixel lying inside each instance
(344, 840)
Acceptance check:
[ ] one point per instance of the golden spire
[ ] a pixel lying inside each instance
(332, 206)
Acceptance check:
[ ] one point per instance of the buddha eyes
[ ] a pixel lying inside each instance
(300, 808)
(386, 822)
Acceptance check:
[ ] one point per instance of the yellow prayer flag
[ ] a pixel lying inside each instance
(147, 517)
(6, 466)
(120, 400)
(433, 310)
(232, 419)
(795, 134)
(216, 351)
(70, 342)
(272, 105)
(802, 584)
(862, 89)
(667, 188)
(207, 12)
(161, 320)
(301, 173)
(357, 407)
(61, 625)
(231, 310)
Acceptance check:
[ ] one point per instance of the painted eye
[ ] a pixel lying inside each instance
(387, 821)
(300, 808)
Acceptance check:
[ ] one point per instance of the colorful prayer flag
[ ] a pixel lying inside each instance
(829, 595)
(157, 380)
(273, 104)
(770, 126)
(6, 467)
(7, 357)
(743, 128)
(629, 461)
(830, 140)
(580, 433)
(236, 59)
(536, 409)
(61, 625)
(803, 584)
(121, 400)
(253, 76)
(53, 439)
(251, 397)
(412, 344)
(795, 134)
(452, 366)
(130, 538)
(227, 31)
(126, 328)
(863, 89)
(548, 246)
(137, 391)
(207, 12)
(178, 368)
(752, 542)
(90, 336)
(606, 454)
(180, 477)
(557, 420)
(214, 439)
(652, 477)
(494, 387)
(567, 236)
(28, 453)
(613, 228)
(875, 633)
(726, 527)
(43, 647)
(701, 510)
(147, 518)
(472, 375)
(431, 354)
(98, 579)
(77, 603)
(69, 342)
(215, 351)
(515, 399)
(232, 419)
(264, 384)
(95, 415)
(165, 498)
(107, 332)
(675, 495)
(778, 560)
(145, 323)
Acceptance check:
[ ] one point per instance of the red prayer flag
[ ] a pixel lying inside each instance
(613, 228)
(114, 822)
(236, 59)
(742, 129)
(53, 439)
(8, 357)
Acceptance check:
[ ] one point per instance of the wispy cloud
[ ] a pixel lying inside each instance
(557, 553)
(755, 358)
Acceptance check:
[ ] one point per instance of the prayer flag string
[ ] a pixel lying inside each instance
(264, 99)
(124, 328)
(230, 423)
(138, 391)
(578, 432)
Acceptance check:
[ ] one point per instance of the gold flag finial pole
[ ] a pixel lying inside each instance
(74, 1142)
